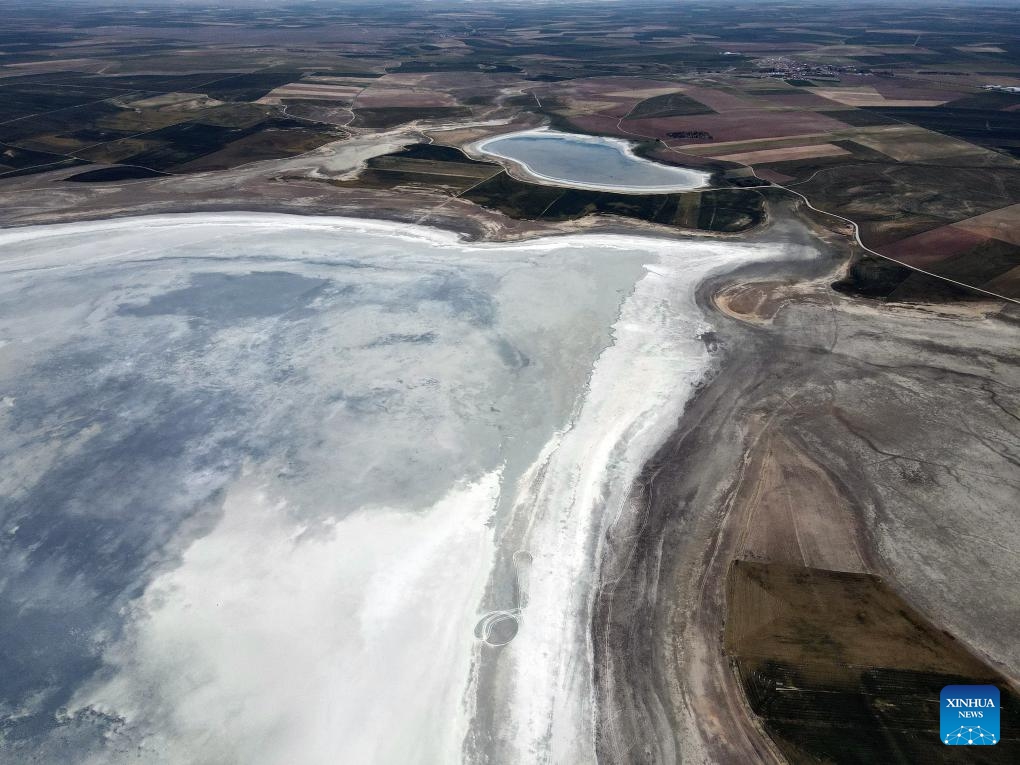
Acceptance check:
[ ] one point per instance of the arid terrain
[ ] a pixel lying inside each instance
(813, 449)
(907, 126)
(719, 473)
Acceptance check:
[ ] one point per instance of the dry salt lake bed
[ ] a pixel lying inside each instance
(281, 488)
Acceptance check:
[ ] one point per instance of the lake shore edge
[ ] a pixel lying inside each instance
(663, 674)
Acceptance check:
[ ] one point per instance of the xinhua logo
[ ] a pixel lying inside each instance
(970, 715)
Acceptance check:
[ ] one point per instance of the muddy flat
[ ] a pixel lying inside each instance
(844, 440)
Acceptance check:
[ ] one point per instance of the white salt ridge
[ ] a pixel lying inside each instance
(638, 390)
(354, 643)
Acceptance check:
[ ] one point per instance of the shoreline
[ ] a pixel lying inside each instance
(634, 394)
(609, 236)
(662, 559)
(477, 149)
(462, 218)
(662, 674)
(301, 186)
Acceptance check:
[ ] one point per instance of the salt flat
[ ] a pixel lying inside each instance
(265, 475)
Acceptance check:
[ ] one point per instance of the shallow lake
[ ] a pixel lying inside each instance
(308, 467)
(589, 162)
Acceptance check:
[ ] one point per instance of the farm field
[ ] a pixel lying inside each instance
(872, 125)
(824, 655)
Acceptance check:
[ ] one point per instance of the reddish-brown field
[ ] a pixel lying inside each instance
(740, 125)
(719, 100)
(926, 249)
(1001, 224)
(392, 97)
(785, 154)
(773, 176)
